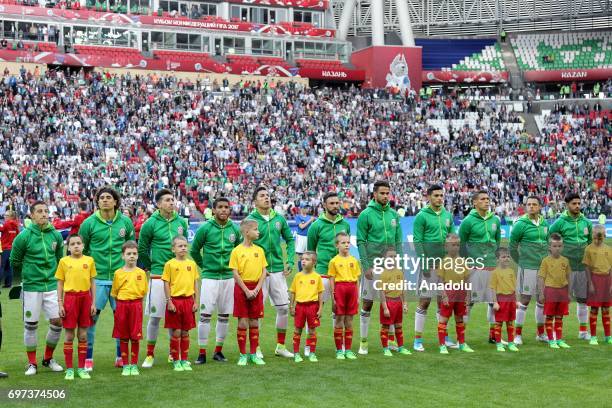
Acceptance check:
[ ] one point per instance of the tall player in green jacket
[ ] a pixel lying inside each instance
(528, 246)
(35, 255)
(322, 239)
(577, 233)
(378, 226)
(431, 226)
(480, 235)
(273, 227)
(154, 250)
(216, 238)
(104, 233)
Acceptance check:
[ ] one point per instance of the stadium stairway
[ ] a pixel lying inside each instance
(531, 127)
(516, 78)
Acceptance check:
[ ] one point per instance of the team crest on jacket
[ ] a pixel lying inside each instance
(122, 232)
(586, 231)
(546, 230)
(53, 245)
(179, 230)
(277, 224)
(493, 227)
(447, 223)
(231, 237)
(393, 222)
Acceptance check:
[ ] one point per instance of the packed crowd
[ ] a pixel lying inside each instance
(64, 135)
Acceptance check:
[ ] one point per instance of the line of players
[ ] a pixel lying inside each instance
(40, 247)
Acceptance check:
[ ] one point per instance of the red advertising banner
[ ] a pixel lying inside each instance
(332, 74)
(209, 23)
(310, 4)
(465, 76)
(390, 66)
(569, 75)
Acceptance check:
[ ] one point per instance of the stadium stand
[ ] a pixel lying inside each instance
(489, 59)
(571, 50)
(443, 53)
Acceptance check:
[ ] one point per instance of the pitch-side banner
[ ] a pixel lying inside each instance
(569, 75)
(464, 77)
(397, 68)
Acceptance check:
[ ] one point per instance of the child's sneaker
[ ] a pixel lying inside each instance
(178, 366)
(340, 355)
(448, 342)
(593, 341)
(387, 352)
(148, 362)
(393, 345)
(418, 345)
(512, 347)
(134, 370)
(608, 340)
(69, 374)
(281, 351)
(443, 350)
(126, 371)
(465, 348)
(297, 358)
(404, 351)
(257, 361)
(83, 375)
(553, 344)
(563, 344)
(89, 364)
(243, 360)
(363, 347)
(500, 347)
(313, 358)
(350, 355)
(186, 365)
(52, 365)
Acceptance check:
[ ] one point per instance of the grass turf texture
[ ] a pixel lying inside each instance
(534, 376)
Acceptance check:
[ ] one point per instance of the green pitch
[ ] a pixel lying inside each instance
(534, 376)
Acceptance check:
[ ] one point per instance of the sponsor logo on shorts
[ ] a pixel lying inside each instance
(153, 309)
(28, 313)
(277, 225)
(122, 232)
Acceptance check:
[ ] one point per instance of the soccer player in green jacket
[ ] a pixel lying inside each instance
(577, 233)
(35, 255)
(431, 226)
(216, 239)
(480, 235)
(322, 239)
(528, 246)
(377, 227)
(273, 227)
(104, 233)
(154, 250)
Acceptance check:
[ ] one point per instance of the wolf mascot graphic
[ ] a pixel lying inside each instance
(398, 74)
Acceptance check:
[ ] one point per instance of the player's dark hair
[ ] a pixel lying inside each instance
(37, 202)
(478, 193)
(381, 183)
(341, 234)
(163, 192)
(556, 237)
(532, 197)
(82, 205)
(329, 195)
(257, 190)
(571, 196)
(110, 191)
(435, 187)
(129, 245)
(220, 200)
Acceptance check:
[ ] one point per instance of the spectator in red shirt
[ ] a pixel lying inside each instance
(9, 231)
